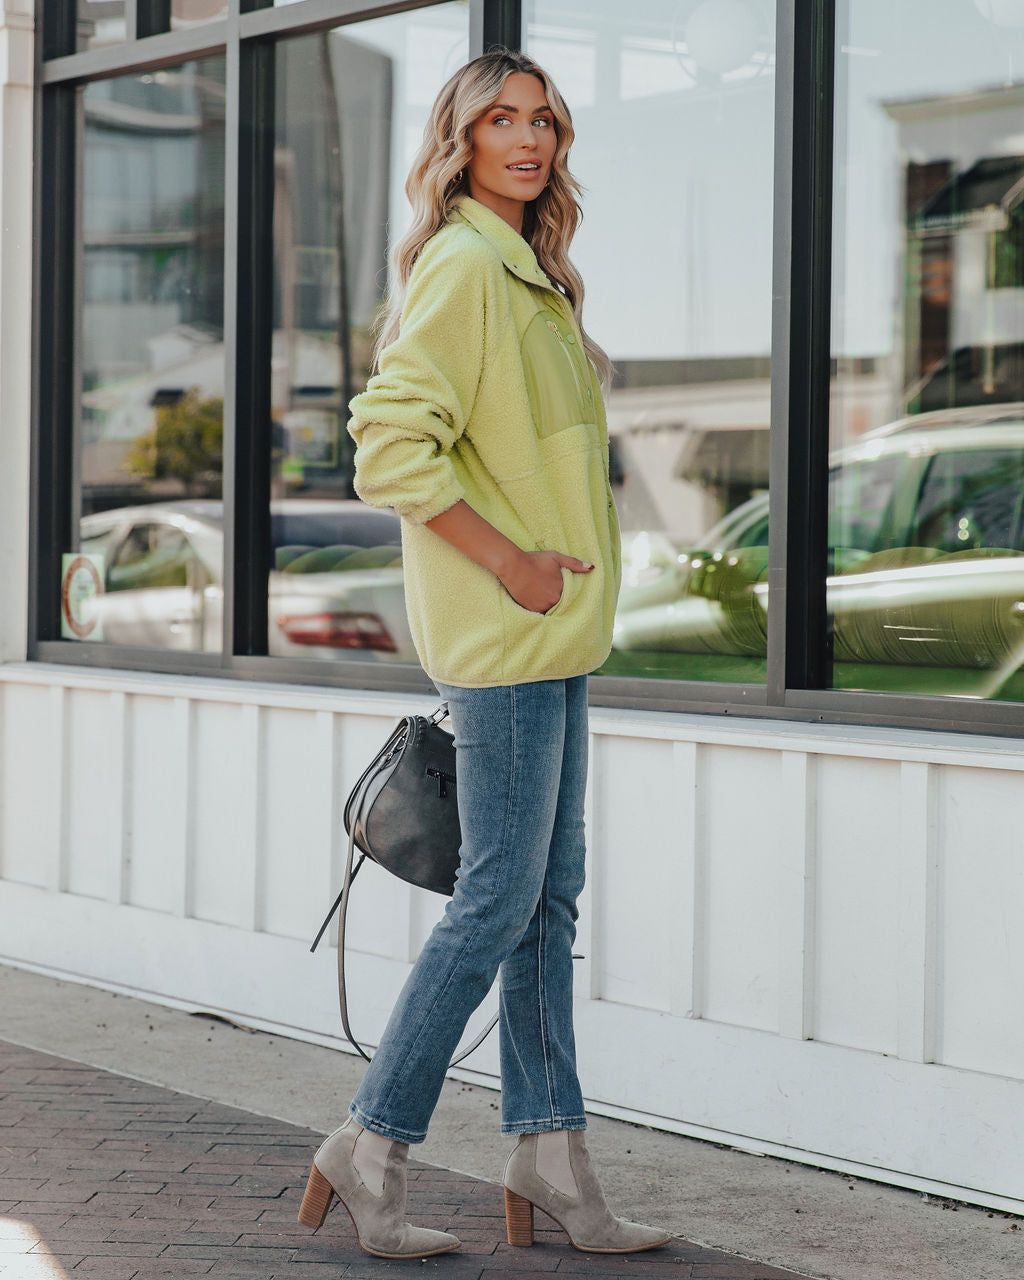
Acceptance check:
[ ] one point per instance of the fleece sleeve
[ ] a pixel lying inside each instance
(415, 409)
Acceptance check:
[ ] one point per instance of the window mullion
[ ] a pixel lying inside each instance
(799, 649)
(57, 28)
(152, 17)
(502, 24)
(248, 322)
(56, 405)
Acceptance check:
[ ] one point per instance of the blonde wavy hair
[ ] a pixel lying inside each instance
(439, 177)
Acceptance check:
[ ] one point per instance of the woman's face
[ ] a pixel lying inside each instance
(514, 143)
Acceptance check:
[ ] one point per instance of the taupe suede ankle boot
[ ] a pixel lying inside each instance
(555, 1175)
(375, 1207)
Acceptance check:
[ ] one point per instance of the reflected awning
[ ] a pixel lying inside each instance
(980, 197)
(725, 456)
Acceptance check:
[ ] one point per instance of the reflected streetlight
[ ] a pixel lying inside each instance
(722, 35)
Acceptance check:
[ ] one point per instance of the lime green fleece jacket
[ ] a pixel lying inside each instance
(487, 395)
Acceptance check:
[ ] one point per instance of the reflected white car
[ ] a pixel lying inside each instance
(335, 589)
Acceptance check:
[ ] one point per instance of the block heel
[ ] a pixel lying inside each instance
(316, 1200)
(376, 1213)
(518, 1219)
(584, 1217)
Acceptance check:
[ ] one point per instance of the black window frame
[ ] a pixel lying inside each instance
(798, 675)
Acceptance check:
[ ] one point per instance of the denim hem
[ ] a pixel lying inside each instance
(544, 1126)
(385, 1130)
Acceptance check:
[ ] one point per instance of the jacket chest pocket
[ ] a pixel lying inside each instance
(557, 374)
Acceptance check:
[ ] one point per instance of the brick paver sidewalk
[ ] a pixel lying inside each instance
(105, 1175)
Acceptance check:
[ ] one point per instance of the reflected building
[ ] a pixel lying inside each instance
(964, 269)
(332, 160)
(153, 286)
(930, 598)
(152, 302)
(688, 452)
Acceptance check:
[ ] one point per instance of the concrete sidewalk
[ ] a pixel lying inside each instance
(783, 1215)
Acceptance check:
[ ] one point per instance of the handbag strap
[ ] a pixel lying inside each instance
(340, 905)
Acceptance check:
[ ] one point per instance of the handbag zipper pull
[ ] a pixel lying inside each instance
(442, 780)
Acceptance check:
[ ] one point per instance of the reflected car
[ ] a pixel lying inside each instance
(335, 588)
(926, 585)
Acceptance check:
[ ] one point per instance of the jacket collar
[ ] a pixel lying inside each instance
(516, 254)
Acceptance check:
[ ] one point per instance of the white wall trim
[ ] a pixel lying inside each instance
(875, 742)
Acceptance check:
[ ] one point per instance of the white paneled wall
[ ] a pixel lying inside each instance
(857, 851)
(980, 936)
(804, 940)
(738, 848)
(225, 829)
(631, 966)
(30, 815)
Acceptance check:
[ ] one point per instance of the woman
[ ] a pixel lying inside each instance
(484, 428)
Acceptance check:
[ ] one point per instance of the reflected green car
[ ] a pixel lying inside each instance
(926, 590)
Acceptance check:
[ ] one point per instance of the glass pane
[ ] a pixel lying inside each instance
(100, 23)
(351, 106)
(192, 13)
(673, 107)
(148, 569)
(927, 586)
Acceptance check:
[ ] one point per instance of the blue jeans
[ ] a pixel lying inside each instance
(522, 771)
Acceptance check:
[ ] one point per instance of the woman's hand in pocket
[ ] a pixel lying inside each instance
(534, 579)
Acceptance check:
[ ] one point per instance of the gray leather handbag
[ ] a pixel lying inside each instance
(403, 814)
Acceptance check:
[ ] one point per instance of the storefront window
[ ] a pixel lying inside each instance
(677, 119)
(148, 478)
(927, 595)
(674, 114)
(350, 109)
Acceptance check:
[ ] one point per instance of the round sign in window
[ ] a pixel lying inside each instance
(81, 585)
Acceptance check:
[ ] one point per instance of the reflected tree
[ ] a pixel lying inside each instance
(186, 444)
